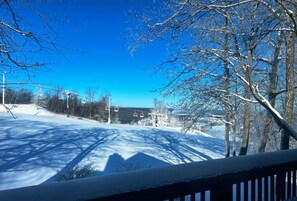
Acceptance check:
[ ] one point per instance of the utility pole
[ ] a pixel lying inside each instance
(68, 93)
(3, 90)
(108, 110)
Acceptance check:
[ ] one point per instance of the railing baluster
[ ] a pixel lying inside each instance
(259, 189)
(202, 196)
(182, 198)
(280, 186)
(294, 183)
(246, 190)
(221, 191)
(238, 191)
(272, 187)
(215, 193)
(289, 185)
(253, 190)
(228, 192)
(193, 196)
(266, 187)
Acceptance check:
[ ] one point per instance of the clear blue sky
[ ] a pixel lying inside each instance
(98, 28)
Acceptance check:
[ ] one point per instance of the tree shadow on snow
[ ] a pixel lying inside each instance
(45, 145)
(179, 147)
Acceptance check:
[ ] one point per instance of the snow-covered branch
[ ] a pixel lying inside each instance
(183, 5)
(15, 29)
(217, 6)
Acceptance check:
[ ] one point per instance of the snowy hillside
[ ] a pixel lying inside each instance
(27, 109)
(38, 145)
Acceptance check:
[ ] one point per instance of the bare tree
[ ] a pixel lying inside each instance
(56, 102)
(290, 8)
(194, 33)
(21, 39)
(272, 89)
(90, 94)
(102, 107)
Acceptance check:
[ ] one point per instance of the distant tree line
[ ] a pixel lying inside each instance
(89, 107)
(22, 96)
(56, 102)
(86, 106)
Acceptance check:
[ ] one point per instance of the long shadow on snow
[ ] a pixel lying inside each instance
(116, 163)
(84, 152)
(179, 147)
(46, 145)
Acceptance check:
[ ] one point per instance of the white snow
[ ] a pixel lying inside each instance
(38, 144)
(28, 109)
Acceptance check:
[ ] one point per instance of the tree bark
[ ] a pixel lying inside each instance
(227, 133)
(247, 106)
(246, 124)
(290, 52)
(228, 106)
(266, 132)
(271, 96)
(234, 129)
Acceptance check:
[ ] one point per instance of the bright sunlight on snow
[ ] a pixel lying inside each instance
(37, 145)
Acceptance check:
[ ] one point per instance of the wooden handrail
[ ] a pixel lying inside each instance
(231, 178)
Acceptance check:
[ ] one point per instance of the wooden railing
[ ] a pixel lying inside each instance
(268, 176)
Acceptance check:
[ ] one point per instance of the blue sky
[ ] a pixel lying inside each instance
(97, 28)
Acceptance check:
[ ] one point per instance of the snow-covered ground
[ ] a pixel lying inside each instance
(38, 145)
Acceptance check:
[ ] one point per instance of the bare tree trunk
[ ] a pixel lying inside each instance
(227, 133)
(271, 96)
(266, 132)
(74, 105)
(290, 47)
(228, 106)
(247, 107)
(234, 129)
(246, 124)
(90, 110)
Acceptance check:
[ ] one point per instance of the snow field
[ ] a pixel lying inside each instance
(38, 145)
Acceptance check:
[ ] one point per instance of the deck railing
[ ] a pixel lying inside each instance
(267, 176)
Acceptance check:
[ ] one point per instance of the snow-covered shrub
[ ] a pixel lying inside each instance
(77, 172)
(145, 122)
